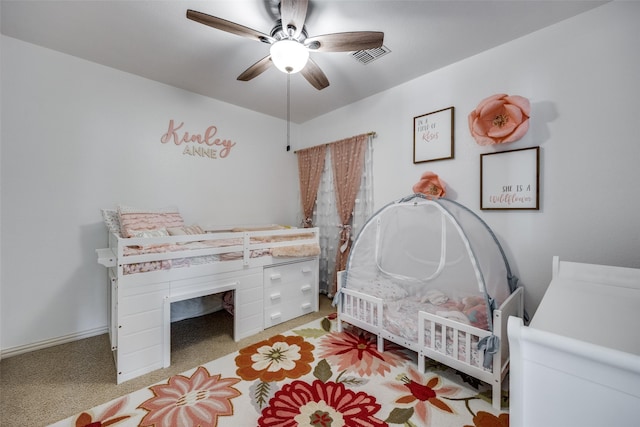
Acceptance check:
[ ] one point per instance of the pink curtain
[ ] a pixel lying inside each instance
(310, 167)
(347, 160)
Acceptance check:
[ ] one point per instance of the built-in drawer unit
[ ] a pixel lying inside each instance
(290, 290)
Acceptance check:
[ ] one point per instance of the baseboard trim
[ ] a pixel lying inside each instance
(21, 349)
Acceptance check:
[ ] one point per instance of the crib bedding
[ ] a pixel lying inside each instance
(404, 323)
(403, 303)
(401, 319)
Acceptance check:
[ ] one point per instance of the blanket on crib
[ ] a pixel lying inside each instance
(310, 376)
(402, 307)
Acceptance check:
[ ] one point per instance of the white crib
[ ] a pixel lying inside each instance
(447, 341)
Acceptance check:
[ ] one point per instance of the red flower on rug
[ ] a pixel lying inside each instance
(198, 400)
(485, 419)
(320, 404)
(359, 353)
(423, 395)
(275, 359)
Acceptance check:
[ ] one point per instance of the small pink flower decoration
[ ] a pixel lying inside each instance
(499, 119)
(430, 185)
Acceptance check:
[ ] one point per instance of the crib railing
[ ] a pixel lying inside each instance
(363, 311)
(449, 342)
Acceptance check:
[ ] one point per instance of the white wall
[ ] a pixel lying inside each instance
(78, 137)
(581, 77)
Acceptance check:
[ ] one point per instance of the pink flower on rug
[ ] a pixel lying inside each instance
(108, 417)
(320, 404)
(423, 395)
(275, 359)
(359, 353)
(499, 119)
(195, 401)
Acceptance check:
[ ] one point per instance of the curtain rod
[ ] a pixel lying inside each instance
(372, 134)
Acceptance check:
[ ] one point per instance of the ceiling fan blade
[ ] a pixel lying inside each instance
(228, 26)
(314, 75)
(293, 13)
(345, 42)
(256, 69)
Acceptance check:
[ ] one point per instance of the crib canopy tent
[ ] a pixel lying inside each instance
(426, 245)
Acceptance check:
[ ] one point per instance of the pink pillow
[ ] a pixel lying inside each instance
(134, 220)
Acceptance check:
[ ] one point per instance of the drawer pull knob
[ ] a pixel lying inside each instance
(275, 316)
(306, 269)
(306, 305)
(306, 288)
(275, 296)
(276, 276)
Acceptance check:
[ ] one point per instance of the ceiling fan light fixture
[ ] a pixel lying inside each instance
(289, 56)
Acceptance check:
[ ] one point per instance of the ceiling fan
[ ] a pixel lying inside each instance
(290, 43)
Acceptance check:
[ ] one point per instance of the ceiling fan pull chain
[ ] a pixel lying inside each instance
(288, 112)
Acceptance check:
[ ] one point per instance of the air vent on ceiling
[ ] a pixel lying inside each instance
(369, 55)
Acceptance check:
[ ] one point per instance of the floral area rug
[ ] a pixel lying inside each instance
(312, 376)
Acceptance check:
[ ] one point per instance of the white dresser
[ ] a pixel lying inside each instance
(290, 290)
(578, 362)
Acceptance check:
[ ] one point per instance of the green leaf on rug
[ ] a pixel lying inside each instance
(353, 381)
(323, 371)
(310, 332)
(399, 415)
(262, 393)
(326, 324)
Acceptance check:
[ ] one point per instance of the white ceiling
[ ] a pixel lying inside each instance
(154, 39)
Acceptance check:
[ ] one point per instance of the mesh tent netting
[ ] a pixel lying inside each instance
(421, 247)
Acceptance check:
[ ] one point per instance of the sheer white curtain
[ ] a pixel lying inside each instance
(325, 214)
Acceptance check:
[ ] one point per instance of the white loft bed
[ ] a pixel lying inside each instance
(273, 273)
(578, 361)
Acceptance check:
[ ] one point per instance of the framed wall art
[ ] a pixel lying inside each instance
(433, 136)
(510, 179)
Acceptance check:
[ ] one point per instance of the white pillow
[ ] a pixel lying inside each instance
(161, 232)
(186, 230)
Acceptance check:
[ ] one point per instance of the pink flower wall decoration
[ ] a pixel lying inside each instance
(430, 185)
(499, 119)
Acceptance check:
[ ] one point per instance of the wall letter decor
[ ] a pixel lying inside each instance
(208, 145)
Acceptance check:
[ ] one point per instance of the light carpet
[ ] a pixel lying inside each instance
(310, 376)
